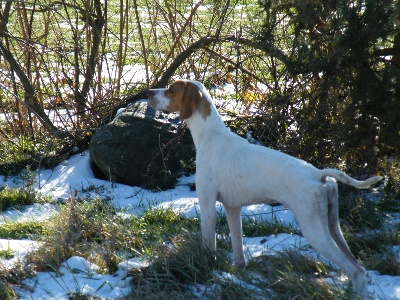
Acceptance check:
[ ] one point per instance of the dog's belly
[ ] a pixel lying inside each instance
(236, 197)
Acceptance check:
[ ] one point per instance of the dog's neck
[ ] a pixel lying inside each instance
(200, 126)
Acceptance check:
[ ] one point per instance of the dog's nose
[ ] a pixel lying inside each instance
(150, 96)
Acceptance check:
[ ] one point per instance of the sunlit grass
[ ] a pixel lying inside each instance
(18, 197)
(179, 262)
(21, 230)
(94, 229)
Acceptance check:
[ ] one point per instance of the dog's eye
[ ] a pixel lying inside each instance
(170, 91)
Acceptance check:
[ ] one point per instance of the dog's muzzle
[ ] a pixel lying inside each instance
(152, 101)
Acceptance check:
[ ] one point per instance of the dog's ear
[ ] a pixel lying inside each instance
(190, 100)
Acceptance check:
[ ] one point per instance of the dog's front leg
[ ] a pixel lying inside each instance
(208, 222)
(233, 215)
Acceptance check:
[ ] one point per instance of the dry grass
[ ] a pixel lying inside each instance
(181, 266)
(176, 266)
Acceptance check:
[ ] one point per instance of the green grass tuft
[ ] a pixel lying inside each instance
(6, 253)
(10, 197)
(23, 230)
(173, 267)
(374, 250)
(292, 274)
(6, 291)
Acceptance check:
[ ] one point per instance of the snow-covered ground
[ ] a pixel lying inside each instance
(80, 276)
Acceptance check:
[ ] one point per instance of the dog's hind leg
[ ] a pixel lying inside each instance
(313, 219)
(333, 218)
(233, 215)
(336, 232)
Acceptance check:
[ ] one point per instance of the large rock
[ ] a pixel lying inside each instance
(142, 147)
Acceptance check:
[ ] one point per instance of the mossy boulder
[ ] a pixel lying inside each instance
(142, 147)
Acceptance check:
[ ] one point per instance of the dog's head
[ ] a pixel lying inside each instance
(182, 96)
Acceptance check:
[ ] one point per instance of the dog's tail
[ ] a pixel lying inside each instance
(343, 177)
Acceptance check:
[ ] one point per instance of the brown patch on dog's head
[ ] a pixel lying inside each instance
(186, 97)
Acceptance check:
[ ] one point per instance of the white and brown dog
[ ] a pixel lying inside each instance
(236, 173)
